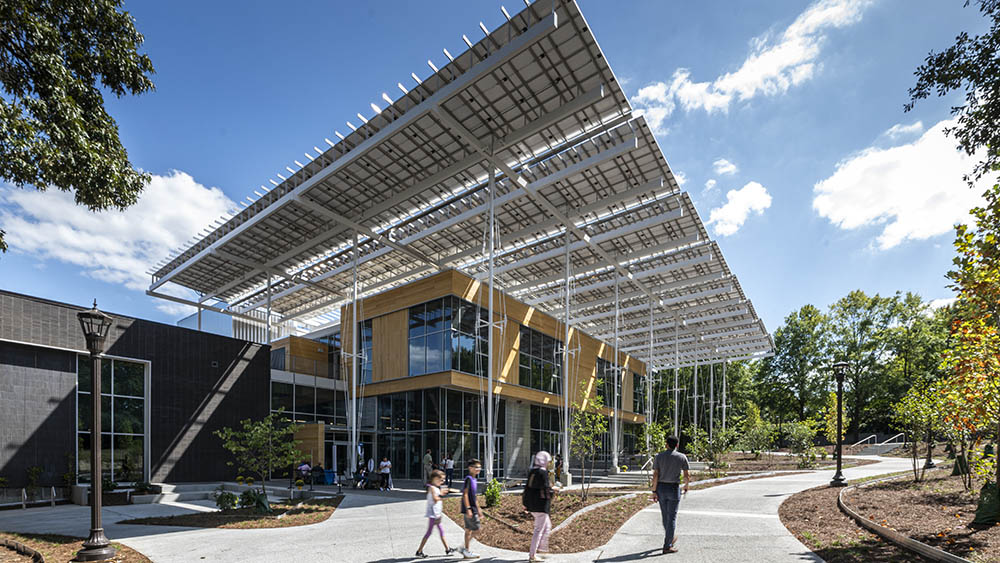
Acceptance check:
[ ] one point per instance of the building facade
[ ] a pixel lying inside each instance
(165, 389)
(422, 379)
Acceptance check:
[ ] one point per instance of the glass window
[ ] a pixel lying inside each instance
(385, 412)
(417, 355)
(325, 402)
(540, 362)
(129, 379)
(418, 320)
(123, 412)
(435, 352)
(414, 404)
(399, 412)
(435, 316)
(454, 406)
(281, 396)
(305, 399)
(278, 358)
(432, 410)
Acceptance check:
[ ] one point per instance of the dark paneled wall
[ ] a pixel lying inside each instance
(37, 412)
(199, 382)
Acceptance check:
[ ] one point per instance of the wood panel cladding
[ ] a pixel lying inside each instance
(389, 311)
(312, 440)
(305, 356)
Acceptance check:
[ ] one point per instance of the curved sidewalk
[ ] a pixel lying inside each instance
(734, 522)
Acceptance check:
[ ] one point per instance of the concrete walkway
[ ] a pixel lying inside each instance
(734, 522)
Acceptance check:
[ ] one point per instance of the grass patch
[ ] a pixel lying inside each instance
(285, 515)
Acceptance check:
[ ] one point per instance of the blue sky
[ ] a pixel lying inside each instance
(792, 108)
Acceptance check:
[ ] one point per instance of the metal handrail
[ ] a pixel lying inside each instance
(872, 437)
(893, 438)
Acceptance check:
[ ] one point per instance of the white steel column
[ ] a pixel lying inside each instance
(724, 363)
(267, 323)
(490, 446)
(616, 420)
(649, 376)
(711, 401)
(566, 389)
(355, 361)
(695, 396)
(677, 390)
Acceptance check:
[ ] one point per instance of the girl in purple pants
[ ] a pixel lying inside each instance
(434, 511)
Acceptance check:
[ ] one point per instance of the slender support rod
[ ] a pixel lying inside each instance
(490, 446)
(695, 396)
(724, 364)
(268, 323)
(355, 360)
(677, 391)
(615, 421)
(566, 387)
(711, 401)
(649, 376)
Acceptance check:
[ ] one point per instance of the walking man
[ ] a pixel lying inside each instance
(449, 469)
(667, 469)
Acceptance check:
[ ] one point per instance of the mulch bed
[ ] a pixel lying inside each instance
(57, 549)
(507, 526)
(937, 511)
(284, 516)
(813, 517)
(740, 461)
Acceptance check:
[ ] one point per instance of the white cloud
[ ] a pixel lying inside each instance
(773, 66)
(112, 246)
(723, 167)
(942, 302)
(899, 130)
(912, 191)
(680, 177)
(709, 184)
(751, 198)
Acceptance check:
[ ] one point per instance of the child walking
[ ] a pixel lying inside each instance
(434, 512)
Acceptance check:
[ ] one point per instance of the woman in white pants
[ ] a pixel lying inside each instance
(537, 499)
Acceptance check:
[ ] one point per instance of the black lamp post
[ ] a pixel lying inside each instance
(838, 371)
(95, 326)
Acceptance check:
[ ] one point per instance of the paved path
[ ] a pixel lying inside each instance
(734, 522)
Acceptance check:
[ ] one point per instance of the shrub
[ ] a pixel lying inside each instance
(239, 479)
(144, 488)
(108, 485)
(492, 493)
(252, 498)
(224, 499)
(300, 483)
(34, 472)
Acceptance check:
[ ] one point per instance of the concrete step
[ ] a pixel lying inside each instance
(171, 497)
(880, 449)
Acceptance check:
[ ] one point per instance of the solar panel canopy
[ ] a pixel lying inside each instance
(577, 177)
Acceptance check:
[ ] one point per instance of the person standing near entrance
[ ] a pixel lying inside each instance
(667, 468)
(449, 469)
(428, 466)
(384, 468)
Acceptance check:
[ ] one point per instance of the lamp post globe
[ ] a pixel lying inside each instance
(95, 325)
(839, 369)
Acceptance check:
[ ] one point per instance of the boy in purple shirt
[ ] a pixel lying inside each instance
(470, 507)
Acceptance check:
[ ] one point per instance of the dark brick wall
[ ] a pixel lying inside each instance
(199, 382)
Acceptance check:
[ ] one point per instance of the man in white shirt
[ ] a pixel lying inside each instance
(384, 468)
(449, 468)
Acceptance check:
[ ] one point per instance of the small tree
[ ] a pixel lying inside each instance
(588, 426)
(757, 435)
(830, 419)
(657, 435)
(801, 437)
(260, 445)
(919, 412)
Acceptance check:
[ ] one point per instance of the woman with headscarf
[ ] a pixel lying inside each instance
(537, 499)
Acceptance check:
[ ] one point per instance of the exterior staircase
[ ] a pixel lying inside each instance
(880, 449)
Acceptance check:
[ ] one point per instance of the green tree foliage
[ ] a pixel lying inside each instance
(974, 359)
(972, 64)
(55, 59)
(859, 329)
(801, 437)
(587, 428)
(799, 354)
(756, 435)
(830, 418)
(919, 413)
(657, 435)
(259, 445)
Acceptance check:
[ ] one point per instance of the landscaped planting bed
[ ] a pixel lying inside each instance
(284, 516)
(57, 549)
(813, 517)
(508, 526)
(937, 512)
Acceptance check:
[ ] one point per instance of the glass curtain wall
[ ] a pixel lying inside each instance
(545, 427)
(123, 416)
(442, 420)
(365, 330)
(305, 403)
(540, 361)
(638, 394)
(606, 374)
(448, 334)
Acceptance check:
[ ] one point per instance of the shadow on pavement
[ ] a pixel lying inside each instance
(633, 556)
